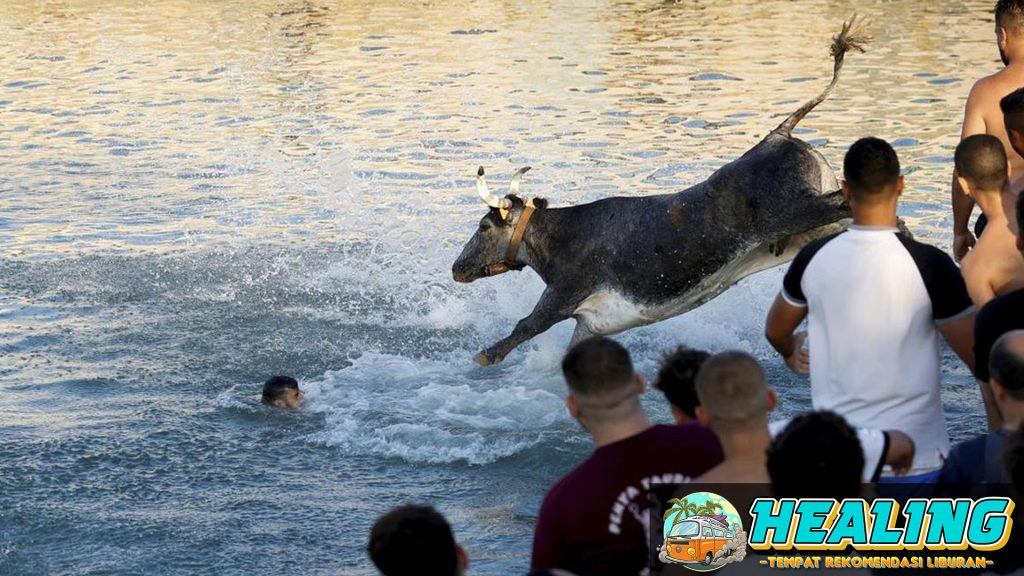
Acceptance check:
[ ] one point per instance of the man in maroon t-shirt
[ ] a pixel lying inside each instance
(594, 521)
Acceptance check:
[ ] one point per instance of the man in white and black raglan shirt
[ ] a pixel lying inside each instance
(876, 302)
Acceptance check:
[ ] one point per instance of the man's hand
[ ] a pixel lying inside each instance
(962, 244)
(800, 360)
(901, 452)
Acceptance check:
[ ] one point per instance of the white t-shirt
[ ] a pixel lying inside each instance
(874, 298)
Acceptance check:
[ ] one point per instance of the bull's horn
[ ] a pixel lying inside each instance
(513, 188)
(491, 200)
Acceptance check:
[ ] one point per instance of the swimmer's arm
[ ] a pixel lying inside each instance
(959, 334)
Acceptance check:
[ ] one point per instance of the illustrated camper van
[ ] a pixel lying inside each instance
(697, 539)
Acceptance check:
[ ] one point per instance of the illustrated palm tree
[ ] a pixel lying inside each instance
(682, 509)
(709, 508)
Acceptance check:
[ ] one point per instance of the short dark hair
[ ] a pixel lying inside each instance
(1012, 106)
(1010, 15)
(1006, 363)
(677, 378)
(732, 389)
(817, 455)
(597, 365)
(413, 540)
(870, 166)
(275, 387)
(981, 160)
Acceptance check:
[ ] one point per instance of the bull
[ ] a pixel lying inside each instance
(623, 262)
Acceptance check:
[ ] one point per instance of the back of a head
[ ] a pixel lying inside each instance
(1010, 15)
(413, 541)
(732, 390)
(677, 378)
(818, 455)
(597, 366)
(981, 160)
(276, 385)
(1006, 363)
(1012, 106)
(871, 169)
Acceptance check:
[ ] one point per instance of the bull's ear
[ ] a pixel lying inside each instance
(540, 203)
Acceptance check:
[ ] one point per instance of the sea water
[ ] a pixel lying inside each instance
(195, 196)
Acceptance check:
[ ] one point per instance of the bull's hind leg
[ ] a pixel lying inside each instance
(581, 333)
(551, 309)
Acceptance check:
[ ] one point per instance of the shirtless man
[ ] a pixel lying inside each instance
(995, 266)
(982, 114)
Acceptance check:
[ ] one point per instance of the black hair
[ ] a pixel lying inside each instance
(1006, 365)
(870, 166)
(597, 365)
(818, 455)
(413, 540)
(275, 387)
(981, 160)
(677, 378)
(1012, 106)
(1010, 15)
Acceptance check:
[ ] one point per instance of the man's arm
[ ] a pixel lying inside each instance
(900, 453)
(546, 540)
(783, 320)
(959, 333)
(974, 123)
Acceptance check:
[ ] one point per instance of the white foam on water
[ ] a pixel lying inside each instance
(433, 410)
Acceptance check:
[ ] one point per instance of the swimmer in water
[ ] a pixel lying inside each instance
(282, 392)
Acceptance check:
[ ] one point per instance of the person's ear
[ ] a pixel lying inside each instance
(773, 400)
(964, 185)
(641, 384)
(899, 186)
(572, 406)
(463, 558)
(702, 416)
(998, 390)
(846, 191)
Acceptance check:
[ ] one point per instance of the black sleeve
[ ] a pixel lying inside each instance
(942, 278)
(791, 288)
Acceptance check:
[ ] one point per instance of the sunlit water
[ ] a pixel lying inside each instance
(195, 196)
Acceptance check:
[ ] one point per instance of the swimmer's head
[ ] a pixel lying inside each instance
(282, 392)
(981, 165)
(415, 540)
(677, 379)
(871, 172)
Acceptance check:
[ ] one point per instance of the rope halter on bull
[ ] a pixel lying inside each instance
(504, 205)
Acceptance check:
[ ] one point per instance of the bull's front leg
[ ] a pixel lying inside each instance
(550, 310)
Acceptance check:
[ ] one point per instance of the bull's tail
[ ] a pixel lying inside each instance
(852, 37)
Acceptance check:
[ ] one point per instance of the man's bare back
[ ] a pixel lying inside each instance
(994, 267)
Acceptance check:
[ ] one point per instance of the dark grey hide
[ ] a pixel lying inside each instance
(623, 262)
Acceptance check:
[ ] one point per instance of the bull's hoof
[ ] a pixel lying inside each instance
(484, 360)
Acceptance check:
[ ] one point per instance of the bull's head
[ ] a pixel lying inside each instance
(486, 251)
